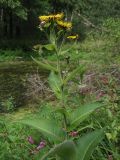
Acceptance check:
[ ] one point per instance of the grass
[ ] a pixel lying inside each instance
(7, 55)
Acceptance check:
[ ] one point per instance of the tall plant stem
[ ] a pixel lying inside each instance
(62, 86)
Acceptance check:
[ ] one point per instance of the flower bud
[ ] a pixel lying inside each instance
(73, 134)
(41, 145)
(30, 140)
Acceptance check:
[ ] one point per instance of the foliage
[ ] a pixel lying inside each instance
(8, 105)
(16, 6)
(15, 55)
(50, 121)
(12, 144)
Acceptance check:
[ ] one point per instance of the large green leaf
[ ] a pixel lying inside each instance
(55, 84)
(60, 110)
(80, 70)
(82, 113)
(66, 51)
(48, 128)
(88, 143)
(45, 65)
(65, 150)
(49, 47)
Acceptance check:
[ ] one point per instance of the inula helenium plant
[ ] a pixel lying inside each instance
(61, 130)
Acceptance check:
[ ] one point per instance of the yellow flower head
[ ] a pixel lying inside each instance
(45, 18)
(73, 37)
(66, 25)
(58, 16)
(51, 17)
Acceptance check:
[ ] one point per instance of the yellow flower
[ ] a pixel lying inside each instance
(73, 37)
(66, 25)
(59, 16)
(45, 18)
(51, 17)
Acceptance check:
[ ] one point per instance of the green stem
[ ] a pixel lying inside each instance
(62, 86)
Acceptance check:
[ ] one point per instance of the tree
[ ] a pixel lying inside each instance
(9, 9)
(12, 12)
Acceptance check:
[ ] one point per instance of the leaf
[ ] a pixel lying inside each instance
(82, 113)
(21, 12)
(55, 84)
(88, 143)
(49, 47)
(37, 46)
(47, 25)
(80, 69)
(48, 128)
(46, 65)
(65, 150)
(70, 48)
(12, 138)
(59, 33)
(61, 111)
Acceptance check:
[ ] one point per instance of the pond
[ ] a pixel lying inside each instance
(16, 79)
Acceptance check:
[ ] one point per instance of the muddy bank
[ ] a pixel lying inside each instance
(16, 79)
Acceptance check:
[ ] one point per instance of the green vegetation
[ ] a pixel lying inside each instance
(59, 80)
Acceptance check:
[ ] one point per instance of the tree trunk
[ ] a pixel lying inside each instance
(1, 22)
(10, 24)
